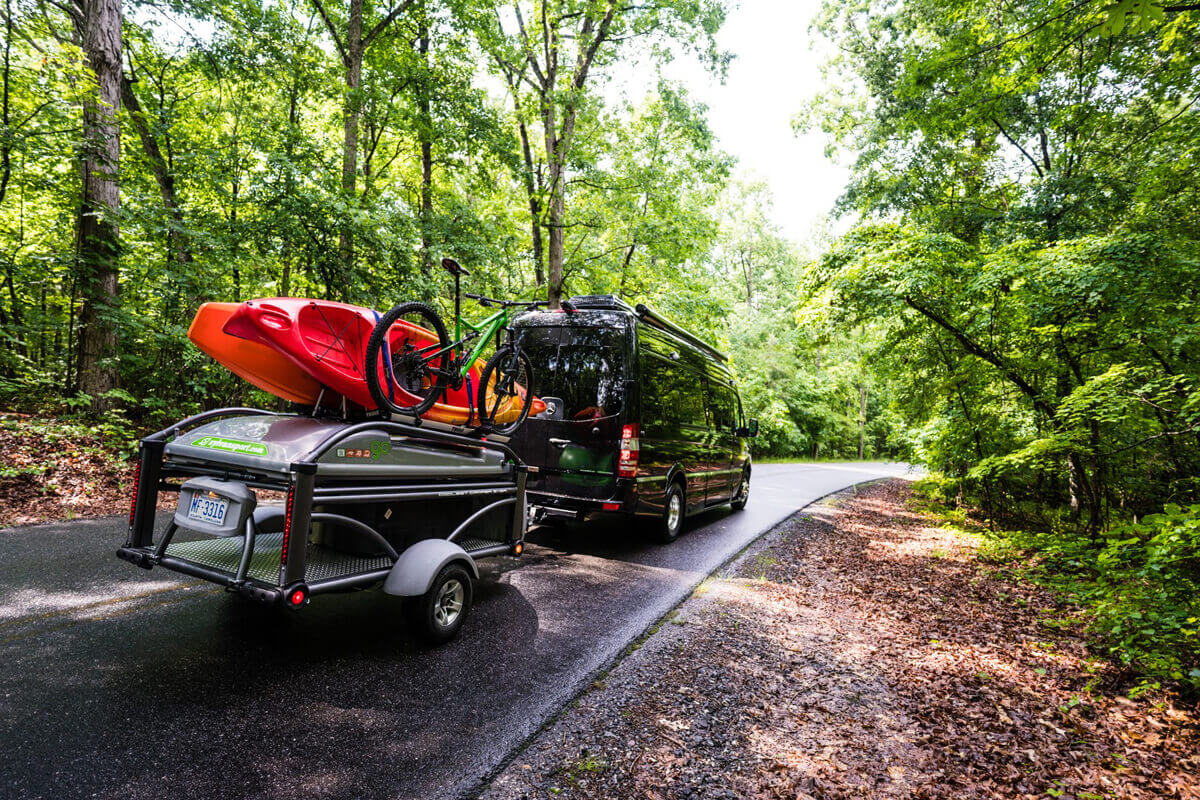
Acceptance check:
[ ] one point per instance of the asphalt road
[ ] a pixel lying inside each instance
(116, 682)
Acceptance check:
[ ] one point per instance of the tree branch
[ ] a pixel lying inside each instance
(337, 40)
(992, 358)
(528, 51)
(1017, 145)
(383, 23)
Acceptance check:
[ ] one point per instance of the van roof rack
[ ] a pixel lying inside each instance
(605, 301)
(659, 321)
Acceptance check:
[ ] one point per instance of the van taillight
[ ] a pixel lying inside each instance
(627, 464)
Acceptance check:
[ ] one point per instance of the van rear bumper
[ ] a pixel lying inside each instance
(622, 499)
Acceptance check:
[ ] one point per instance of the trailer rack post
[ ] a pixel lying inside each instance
(519, 521)
(295, 534)
(141, 520)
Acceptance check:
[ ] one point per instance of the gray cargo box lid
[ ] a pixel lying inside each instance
(272, 442)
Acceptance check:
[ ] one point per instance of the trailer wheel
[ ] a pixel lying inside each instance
(437, 615)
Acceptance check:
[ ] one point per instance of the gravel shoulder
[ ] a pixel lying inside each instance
(859, 650)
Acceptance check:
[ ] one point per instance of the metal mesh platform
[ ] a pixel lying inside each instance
(226, 553)
(473, 545)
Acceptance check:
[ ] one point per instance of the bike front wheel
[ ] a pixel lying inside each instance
(505, 390)
(407, 359)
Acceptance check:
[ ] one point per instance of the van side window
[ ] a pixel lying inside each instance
(691, 400)
(672, 395)
(722, 406)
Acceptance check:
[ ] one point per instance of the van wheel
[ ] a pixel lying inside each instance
(670, 523)
(438, 615)
(743, 493)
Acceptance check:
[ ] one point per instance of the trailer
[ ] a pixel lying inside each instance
(280, 508)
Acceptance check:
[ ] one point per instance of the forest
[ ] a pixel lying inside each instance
(1010, 298)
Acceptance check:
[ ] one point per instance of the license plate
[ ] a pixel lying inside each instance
(208, 509)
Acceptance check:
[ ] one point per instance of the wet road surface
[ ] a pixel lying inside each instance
(117, 682)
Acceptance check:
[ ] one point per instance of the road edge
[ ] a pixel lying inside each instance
(483, 784)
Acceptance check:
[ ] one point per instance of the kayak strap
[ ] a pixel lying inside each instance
(470, 400)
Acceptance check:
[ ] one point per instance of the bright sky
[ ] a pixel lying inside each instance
(774, 72)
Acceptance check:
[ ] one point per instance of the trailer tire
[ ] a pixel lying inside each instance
(438, 615)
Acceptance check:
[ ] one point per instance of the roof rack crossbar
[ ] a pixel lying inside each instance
(660, 321)
(607, 302)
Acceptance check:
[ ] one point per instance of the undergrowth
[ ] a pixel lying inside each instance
(1137, 583)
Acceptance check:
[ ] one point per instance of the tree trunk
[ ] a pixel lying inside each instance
(555, 156)
(98, 233)
(6, 145)
(532, 191)
(862, 419)
(425, 132)
(6, 174)
(353, 103)
(554, 222)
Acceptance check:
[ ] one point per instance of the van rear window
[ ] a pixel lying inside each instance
(584, 367)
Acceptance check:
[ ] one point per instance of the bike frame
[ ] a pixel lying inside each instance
(465, 331)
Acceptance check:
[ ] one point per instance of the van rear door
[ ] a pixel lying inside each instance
(580, 372)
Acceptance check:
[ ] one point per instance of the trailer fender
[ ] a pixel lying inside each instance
(414, 571)
(269, 519)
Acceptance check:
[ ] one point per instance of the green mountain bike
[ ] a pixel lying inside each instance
(412, 363)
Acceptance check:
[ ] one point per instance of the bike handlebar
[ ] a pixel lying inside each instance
(488, 302)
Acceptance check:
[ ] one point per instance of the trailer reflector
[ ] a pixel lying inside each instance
(137, 482)
(287, 526)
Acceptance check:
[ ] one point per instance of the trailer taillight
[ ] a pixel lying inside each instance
(627, 463)
(287, 525)
(137, 482)
(297, 598)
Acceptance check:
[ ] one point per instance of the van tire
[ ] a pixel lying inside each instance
(669, 524)
(743, 493)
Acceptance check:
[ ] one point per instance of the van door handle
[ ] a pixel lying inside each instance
(559, 442)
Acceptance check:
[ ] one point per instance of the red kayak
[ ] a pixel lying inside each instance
(251, 360)
(328, 341)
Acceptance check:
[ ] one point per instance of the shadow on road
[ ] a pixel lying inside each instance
(622, 539)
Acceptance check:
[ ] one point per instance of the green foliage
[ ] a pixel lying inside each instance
(1028, 244)
(1028, 248)
(1146, 594)
(243, 103)
(1033, 367)
(809, 384)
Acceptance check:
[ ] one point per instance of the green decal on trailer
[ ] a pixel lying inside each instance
(232, 445)
(376, 450)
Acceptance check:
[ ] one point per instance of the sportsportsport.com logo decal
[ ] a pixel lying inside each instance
(232, 445)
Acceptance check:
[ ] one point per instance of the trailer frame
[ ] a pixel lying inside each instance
(306, 484)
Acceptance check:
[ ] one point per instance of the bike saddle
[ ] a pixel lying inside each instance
(453, 267)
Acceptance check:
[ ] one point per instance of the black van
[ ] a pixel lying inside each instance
(642, 417)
